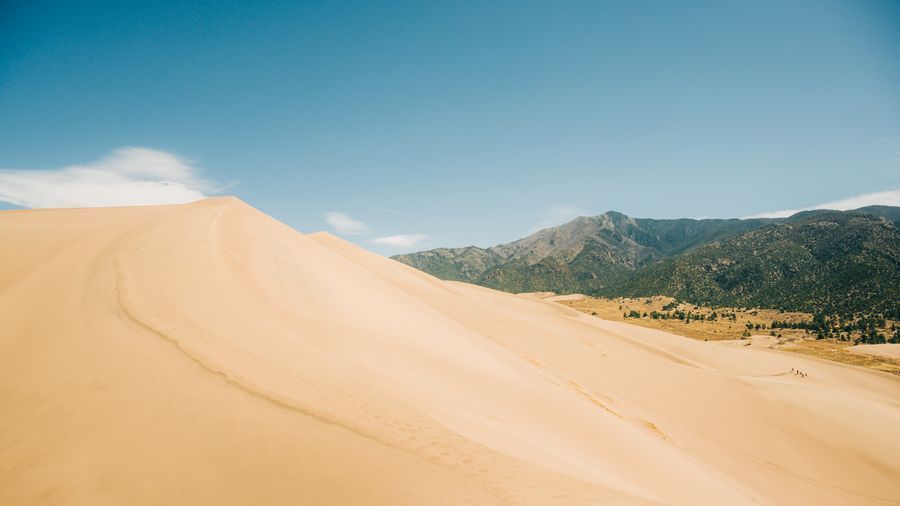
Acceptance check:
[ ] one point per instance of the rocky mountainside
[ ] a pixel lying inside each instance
(610, 240)
(832, 263)
(844, 261)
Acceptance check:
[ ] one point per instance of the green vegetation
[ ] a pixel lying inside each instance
(870, 330)
(844, 266)
(836, 263)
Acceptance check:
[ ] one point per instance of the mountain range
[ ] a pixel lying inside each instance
(842, 262)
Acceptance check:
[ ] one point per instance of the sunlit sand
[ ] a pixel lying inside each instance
(207, 354)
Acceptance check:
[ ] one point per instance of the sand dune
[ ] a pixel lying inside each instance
(559, 298)
(207, 354)
(881, 350)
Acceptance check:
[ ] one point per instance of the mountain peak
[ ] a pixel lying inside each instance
(614, 254)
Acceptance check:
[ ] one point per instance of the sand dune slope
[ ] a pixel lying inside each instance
(207, 354)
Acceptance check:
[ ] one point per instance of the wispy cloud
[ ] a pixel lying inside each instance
(343, 224)
(400, 240)
(557, 216)
(885, 198)
(127, 176)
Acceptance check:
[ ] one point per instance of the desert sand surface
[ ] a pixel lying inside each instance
(881, 350)
(571, 296)
(208, 354)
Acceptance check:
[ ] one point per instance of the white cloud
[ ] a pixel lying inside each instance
(557, 216)
(127, 176)
(885, 198)
(343, 224)
(399, 241)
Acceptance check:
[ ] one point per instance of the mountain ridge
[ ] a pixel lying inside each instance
(613, 254)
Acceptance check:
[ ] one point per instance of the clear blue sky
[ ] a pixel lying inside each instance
(467, 122)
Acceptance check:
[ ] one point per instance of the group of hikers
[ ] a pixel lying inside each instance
(797, 372)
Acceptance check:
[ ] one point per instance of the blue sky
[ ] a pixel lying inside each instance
(451, 123)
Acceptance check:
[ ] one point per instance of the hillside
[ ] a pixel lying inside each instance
(454, 264)
(831, 262)
(208, 354)
(842, 262)
(580, 249)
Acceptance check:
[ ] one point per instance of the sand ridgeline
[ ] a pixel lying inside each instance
(207, 354)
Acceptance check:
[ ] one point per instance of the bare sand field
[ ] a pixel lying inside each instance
(880, 350)
(208, 354)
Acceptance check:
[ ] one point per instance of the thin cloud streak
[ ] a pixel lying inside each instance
(885, 198)
(400, 240)
(128, 176)
(344, 224)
